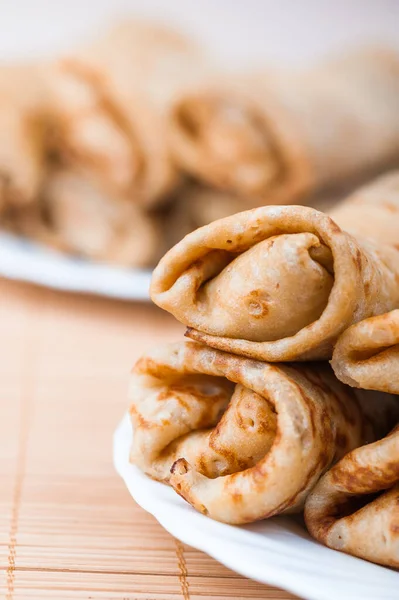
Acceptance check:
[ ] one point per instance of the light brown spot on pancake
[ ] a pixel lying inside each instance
(334, 227)
(151, 367)
(142, 423)
(392, 208)
(358, 259)
(236, 498)
(202, 508)
(360, 479)
(258, 303)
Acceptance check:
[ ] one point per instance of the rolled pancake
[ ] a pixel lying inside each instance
(23, 128)
(281, 283)
(279, 135)
(367, 354)
(332, 511)
(243, 440)
(110, 100)
(74, 215)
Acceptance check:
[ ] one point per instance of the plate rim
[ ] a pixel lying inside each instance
(277, 575)
(24, 260)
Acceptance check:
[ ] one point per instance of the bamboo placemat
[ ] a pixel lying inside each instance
(68, 527)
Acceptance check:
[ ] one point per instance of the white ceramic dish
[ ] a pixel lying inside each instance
(25, 261)
(277, 551)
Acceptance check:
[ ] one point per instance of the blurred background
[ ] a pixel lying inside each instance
(126, 126)
(245, 33)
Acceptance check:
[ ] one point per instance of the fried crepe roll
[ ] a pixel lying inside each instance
(76, 217)
(279, 135)
(367, 354)
(22, 133)
(281, 283)
(111, 98)
(243, 440)
(354, 506)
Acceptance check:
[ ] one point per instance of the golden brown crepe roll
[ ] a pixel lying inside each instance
(343, 511)
(282, 283)
(23, 128)
(243, 440)
(75, 216)
(111, 98)
(277, 136)
(367, 354)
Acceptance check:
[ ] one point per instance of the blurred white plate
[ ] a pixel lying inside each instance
(277, 551)
(25, 261)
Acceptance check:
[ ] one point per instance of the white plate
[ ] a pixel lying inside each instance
(277, 551)
(25, 261)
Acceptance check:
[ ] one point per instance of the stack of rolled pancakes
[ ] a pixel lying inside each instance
(238, 429)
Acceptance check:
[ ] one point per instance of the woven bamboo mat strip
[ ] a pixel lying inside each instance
(68, 527)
